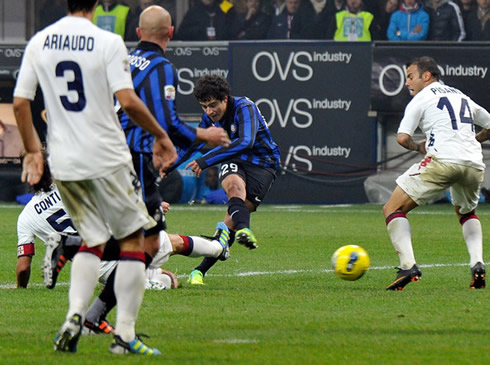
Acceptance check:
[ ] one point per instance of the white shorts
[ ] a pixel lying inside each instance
(163, 254)
(106, 206)
(427, 179)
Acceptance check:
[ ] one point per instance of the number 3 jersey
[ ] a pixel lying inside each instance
(79, 68)
(43, 215)
(447, 116)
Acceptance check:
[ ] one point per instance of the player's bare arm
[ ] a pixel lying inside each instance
(164, 154)
(33, 165)
(406, 141)
(213, 136)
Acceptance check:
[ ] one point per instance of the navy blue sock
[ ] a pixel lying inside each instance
(239, 213)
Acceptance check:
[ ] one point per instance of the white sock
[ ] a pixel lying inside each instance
(84, 276)
(129, 287)
(472, 234)
(401, 238)
(204, 247)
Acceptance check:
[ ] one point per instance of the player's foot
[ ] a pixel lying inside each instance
(478, 276)
(95, 328)
(136, 346)
(245, 237)
(54, 259)
(195, 278)
(67, 338)
(222, 235)
(404, 277)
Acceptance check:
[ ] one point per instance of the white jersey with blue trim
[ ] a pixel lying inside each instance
(79, 68)
(45, 214)
(447, 116)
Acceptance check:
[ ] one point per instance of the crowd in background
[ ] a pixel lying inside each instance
(339, 20)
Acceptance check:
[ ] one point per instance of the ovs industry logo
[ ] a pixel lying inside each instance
(266, 65)
(392, 77)
(298, 157)
(298, 111)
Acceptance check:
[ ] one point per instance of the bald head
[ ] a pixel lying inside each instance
(155, 24)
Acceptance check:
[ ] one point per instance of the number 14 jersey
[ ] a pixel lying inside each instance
(447, 116)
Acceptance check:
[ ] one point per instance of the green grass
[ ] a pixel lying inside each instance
(281, 303)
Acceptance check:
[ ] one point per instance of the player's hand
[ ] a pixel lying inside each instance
(193, 165)
(216, 136)
(165, 207)
(33, 168)
(173, 279)
(164, 154)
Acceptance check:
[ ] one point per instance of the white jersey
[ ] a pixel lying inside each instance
(447, 116)
(43, 215)
(79, 68)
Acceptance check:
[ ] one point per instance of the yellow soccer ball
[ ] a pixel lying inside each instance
(350, 262)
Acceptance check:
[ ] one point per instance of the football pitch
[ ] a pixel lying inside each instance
(280, 303)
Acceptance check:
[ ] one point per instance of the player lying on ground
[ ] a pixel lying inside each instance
(170, 244)
(45, 217)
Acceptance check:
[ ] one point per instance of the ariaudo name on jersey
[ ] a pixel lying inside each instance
(62, 42)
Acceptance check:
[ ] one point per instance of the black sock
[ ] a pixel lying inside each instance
(239, 213)
(206, 264)
(107, 295)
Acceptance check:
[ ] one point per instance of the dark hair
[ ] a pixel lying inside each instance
(81, 5)
(46, 182)
(426, 64)
(211, 86)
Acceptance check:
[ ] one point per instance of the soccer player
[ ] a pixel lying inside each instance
(248, 164)
(80, 67)
(155, 82)
(452, 159)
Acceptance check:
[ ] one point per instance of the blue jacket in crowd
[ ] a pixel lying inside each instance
(404, 20)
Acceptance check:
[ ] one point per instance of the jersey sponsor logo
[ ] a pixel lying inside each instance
(62, 42)
(169, 92)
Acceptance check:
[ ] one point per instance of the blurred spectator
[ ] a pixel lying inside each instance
(133, 20)
(49, 12)
(352, 24)
(313, 19)
(274, 7)
(112, 16)
(281, 24)
(253, 24)
(339, 5)
(382, 20)
(410, 23)
(205, 21)
(478, 22)
(446, 21)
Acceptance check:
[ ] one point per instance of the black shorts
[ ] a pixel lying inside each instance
(258, 180)
(143, 165)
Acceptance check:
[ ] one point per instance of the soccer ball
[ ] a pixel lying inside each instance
(350, 262)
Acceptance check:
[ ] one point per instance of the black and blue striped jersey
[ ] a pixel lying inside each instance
(155, 81)
(250, 137)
